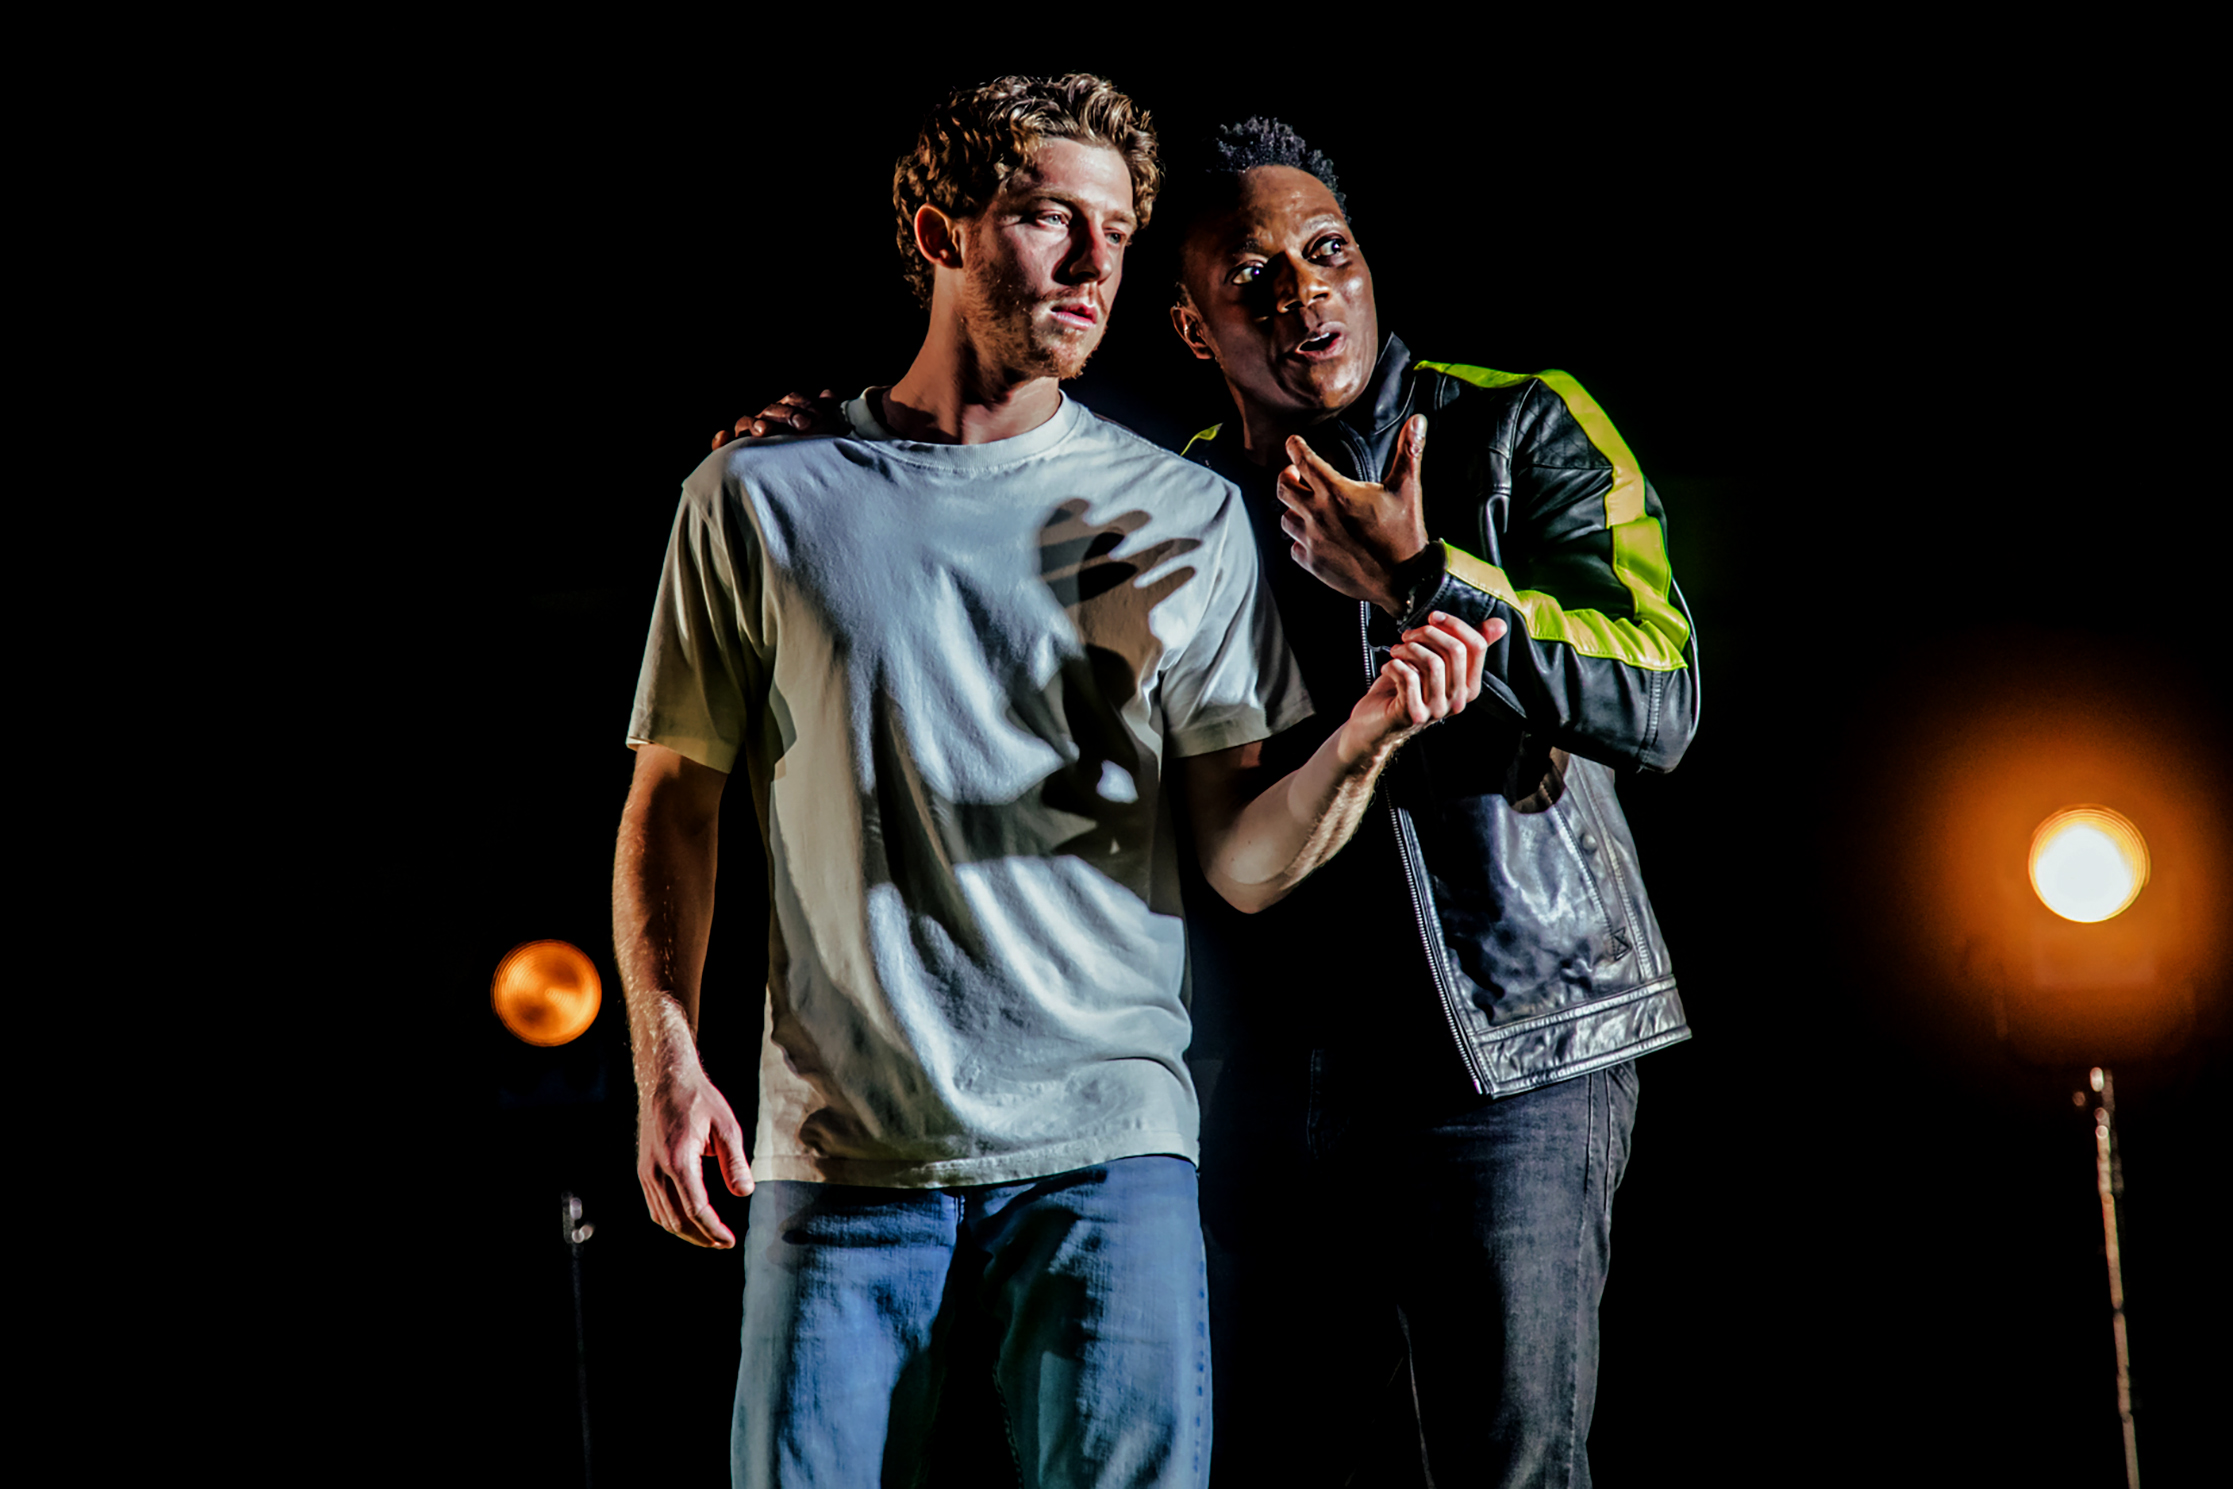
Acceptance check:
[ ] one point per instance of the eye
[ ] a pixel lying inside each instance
(1333, 245)
(1246, 274)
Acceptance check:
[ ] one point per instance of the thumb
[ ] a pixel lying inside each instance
(728, 1145)
(1411, 453)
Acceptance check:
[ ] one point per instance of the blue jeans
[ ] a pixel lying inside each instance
(1411, 1278)
(1088, 1286)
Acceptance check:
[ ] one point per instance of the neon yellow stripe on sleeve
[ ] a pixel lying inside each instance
(1654, 639)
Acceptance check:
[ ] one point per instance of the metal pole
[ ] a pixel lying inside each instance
(570, 1214)
(2109, 1178)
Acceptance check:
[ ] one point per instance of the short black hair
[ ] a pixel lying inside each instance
(1206, 176)
(1235, 149)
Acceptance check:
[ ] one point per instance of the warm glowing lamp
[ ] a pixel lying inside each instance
(2088, 863)
(546, 992)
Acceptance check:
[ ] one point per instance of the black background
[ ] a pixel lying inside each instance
(1909, 346)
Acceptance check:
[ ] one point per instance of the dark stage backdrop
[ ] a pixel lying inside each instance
(1909, 366)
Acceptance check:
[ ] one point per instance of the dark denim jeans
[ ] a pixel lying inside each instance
(1409, 1284)
(1087, 1288)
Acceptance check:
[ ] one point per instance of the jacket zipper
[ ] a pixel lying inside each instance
(1407, 849)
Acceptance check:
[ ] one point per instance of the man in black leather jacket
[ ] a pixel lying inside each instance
(1413, 1161)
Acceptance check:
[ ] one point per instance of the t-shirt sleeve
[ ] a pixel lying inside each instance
(1235, 681)
(695, 690)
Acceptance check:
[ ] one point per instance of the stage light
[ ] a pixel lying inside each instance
(2088, 863)
(546, 992)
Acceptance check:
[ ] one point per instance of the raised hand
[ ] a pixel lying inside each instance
(1353, 535)
(793, 413)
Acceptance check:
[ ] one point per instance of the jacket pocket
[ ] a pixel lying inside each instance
(1529, 923)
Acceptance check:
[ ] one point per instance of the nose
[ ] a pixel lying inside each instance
(1296, 284)
(1093, 259)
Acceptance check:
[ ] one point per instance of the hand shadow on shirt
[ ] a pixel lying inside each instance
(1104, 777)
(1096, 805)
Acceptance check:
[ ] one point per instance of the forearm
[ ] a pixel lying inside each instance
(1285, 832)
(663, 877)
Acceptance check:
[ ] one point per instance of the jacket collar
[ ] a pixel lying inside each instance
(1370, 420)
(1387, 398)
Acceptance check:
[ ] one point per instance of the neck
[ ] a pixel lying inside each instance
(1264, 432)
(955, 395)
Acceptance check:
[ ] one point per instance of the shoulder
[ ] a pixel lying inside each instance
(1168, 474)
(1548, 414)
(764, 467)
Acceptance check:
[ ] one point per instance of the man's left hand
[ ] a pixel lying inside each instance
(1353, 535)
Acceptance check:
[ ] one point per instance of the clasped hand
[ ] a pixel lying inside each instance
(1433, 673)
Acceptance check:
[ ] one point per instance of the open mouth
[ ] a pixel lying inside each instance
(1319, 345)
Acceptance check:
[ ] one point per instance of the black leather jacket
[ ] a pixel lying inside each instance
(1497, 846)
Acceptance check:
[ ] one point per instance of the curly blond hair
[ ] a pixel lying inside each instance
(970, 144)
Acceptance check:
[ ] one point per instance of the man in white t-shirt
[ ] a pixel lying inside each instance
(962, 654)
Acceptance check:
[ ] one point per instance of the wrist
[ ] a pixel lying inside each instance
(1361, 752)
(1412, 585)
(665, 1047)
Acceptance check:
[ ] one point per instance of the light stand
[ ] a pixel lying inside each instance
(2109, 1177)
(576, 1231)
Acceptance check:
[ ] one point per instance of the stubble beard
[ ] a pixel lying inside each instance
(1005, 324)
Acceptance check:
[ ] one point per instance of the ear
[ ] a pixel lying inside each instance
(1187, 321)
(937, 237)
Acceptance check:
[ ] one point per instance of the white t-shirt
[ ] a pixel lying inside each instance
(955, 676)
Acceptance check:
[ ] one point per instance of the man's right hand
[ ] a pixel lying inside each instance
(683, 1120)
(793, 413)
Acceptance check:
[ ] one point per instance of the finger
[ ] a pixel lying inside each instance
(1434, 677)
(1452, 654)
(1476, 647)
(708, 1223)
(1411, 452)
(1405, 679)
(1312, 470)
(680, 1222)
(1293, 489)
(1477, 644)
(668, 1211)
(728, 1140)
(655, 1199)
(700, 1224)
(1473, 644)
(720, 438)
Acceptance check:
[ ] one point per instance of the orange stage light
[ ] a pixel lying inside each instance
(2088, 864)
(546, 992)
